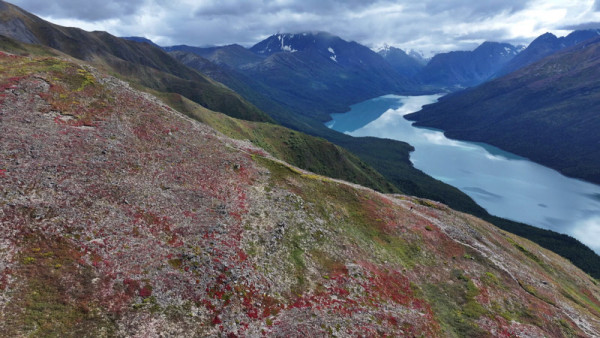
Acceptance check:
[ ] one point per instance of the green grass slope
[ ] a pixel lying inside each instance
(304, 151)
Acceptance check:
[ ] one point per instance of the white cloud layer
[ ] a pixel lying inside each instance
(427, 25)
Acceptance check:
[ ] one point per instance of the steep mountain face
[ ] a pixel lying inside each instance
(121, 217)
(403, 63)
(321, 42)
(547, 112)
(466, 69)
(543, 46)
(139, 62)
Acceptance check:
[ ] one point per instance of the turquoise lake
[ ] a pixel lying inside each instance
(505, 184)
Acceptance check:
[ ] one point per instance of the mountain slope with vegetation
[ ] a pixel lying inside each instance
(547, 112)
(307, 152)
(390, 158)
(161, 73)
(120, 216)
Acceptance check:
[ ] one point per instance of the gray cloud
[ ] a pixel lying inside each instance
(486, 34)
(226, 8)
(597, 5)
(429, 25)
(582, 26)
(476, 9)
(92, 10)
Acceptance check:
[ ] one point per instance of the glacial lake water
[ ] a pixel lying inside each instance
(505, 184)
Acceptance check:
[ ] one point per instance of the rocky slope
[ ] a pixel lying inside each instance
(120, 216)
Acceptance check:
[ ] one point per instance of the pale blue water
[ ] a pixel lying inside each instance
(504, 184)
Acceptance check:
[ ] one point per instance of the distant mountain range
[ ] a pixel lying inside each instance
(312, 74)
(545, 45)
(449, 71)
(405, 64)
(467, 68)
(547, 111)
(307, 65)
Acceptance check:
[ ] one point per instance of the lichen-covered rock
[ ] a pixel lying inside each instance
(121, 217)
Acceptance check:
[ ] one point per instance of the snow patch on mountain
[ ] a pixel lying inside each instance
(332, 57)
(384, 50)
(288, 48)
(509, 51)
(284, 47)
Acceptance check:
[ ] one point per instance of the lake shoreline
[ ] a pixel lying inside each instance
(505, 184)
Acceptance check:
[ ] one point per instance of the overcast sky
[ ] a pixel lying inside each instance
(425, 25)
